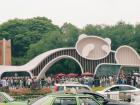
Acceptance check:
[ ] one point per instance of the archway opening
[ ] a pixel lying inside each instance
(15, 74)
(130, 70)
(65, 65)
(107, 70)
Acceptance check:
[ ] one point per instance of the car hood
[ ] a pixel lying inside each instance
(100, 92)
(18, 103)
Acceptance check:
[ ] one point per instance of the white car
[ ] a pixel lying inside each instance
(135, 99)
(65, 86)
(118, 92)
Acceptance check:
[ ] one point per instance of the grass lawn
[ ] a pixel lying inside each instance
(99, 88)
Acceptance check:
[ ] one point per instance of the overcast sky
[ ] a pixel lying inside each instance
(77, 12)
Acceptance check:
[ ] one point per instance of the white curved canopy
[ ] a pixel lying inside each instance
(32, 63)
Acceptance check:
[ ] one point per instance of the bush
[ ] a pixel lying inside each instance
(45, 90)
(4, 89)
(28, 91)
(21, 91)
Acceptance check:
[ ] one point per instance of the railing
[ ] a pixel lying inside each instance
(26, 97)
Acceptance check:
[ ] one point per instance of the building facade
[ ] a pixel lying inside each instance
(92, 53)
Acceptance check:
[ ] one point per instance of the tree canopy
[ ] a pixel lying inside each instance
(31, 37)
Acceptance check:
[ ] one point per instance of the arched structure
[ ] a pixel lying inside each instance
(47, 66)
(93, 47)
(90, 52)
(126, 55)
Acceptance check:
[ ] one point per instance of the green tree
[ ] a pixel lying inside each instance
(71, 34)
(31, 37)
(96, 30)
(25, 32)
(136, 38)
(121, 34)
(52, 41)
(65, 66)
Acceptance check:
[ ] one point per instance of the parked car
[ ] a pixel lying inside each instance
(103, 99)
(118, 92)
(5, 99)
(67, 99)
(120, 88)
(65, 86)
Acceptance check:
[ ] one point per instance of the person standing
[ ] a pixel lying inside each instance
(29, 81)
(129, 79)
(21, 83)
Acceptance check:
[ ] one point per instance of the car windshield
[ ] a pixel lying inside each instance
(65, 101)
(40, 101)
(61, 88)
(78, 87)
(125, 88)
(8, 97)
(87, 101)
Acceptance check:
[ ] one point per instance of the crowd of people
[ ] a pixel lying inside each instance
(104, 81)
(24, 82)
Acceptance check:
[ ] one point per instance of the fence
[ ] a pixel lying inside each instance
(26, 97)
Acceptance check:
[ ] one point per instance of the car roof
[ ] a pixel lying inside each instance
(89, 92)
(68, 95)
(63, 95)
(70, 84)
(121, 85)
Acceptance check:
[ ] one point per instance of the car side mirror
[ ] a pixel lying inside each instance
(108, 91)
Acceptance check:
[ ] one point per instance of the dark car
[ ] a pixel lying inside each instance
(103, 99)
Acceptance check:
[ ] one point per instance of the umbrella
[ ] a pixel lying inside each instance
(60, 75)
(72, 75)
(136, 74)
(87, 74)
